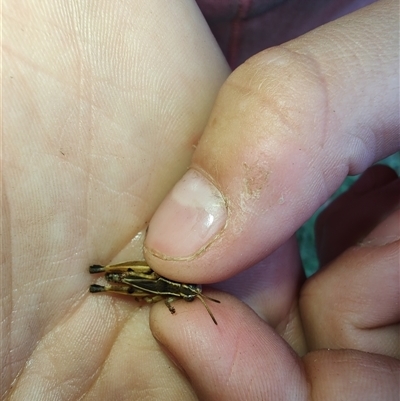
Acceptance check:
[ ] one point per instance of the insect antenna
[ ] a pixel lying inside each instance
(206, 306)
(211, 299)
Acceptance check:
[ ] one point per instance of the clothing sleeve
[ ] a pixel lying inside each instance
(243, 28)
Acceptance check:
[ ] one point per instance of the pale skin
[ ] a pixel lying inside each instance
(103, 108)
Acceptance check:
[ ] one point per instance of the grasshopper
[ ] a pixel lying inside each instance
(141, 282)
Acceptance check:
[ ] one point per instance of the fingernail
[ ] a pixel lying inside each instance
(191, 217)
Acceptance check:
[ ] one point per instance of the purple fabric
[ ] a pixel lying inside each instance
(245, 27)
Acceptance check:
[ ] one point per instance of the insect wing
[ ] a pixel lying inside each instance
(131, 267)
(159, 286)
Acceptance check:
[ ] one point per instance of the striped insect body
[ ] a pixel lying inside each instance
(138, 280)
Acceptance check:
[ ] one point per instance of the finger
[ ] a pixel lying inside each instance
(286, 129)
(239, 359)
(244, 359)
(271, 289)
(353, 302)
(351, 375)
(354, 214)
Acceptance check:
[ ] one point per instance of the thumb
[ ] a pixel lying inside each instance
(286, 129)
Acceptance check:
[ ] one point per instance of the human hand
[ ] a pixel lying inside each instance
(103, 103)
(286, 129)
(61, 215)
(343, 323)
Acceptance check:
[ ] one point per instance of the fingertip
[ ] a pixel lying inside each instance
(187, 314)
(188, 219)
(237, 359)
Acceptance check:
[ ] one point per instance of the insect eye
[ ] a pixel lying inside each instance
(195, 287)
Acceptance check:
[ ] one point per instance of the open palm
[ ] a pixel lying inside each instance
(101, 119)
